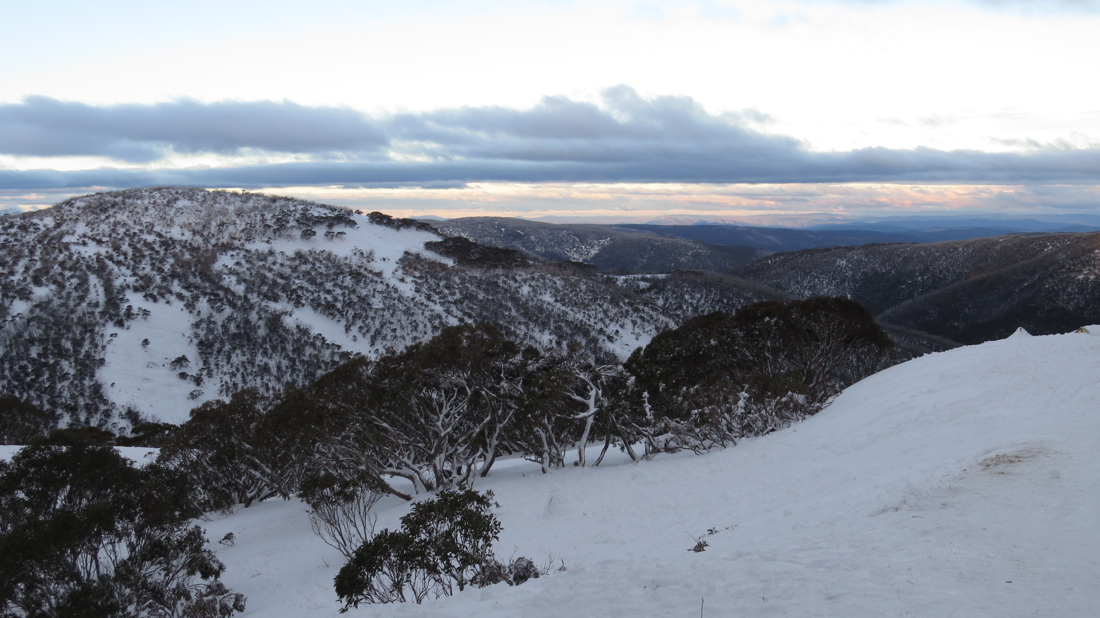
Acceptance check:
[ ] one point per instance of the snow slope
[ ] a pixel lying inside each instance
(964, 483)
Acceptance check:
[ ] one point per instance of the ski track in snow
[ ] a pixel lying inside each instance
(964, 483)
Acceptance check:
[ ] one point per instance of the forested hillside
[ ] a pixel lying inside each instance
(969, 291)
(146, 303)
(607, 247)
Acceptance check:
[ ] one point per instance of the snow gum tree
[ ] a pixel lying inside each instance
(444, 543)
(721, 377)
(84, 533)
(561, 404)
(219, 450)
(434, 415)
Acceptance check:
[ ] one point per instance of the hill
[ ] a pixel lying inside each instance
(968, 291)
(609, 248)
(959, 483)
(138, 304)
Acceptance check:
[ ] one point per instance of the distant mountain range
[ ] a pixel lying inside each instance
(967, 291)
(634, 247)
(1010, 223)
(959, 288)
(608, 247)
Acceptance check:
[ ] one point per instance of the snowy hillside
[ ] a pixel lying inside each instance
(964, 483)
(146, 303)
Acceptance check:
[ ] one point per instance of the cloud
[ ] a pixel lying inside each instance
(45, 127)
(624, 138)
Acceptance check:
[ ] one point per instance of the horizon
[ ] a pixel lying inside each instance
(557, 110)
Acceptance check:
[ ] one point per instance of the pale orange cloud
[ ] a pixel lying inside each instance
(643, 202)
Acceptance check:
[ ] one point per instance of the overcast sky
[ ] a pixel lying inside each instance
(584, 110)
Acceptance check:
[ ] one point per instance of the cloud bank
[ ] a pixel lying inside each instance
(45, 127)
(624, 138)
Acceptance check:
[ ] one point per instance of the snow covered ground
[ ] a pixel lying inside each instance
(965, 483)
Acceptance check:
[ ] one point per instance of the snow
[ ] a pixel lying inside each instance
(332, 330)
(964, 483)
(141, 376)
(387, 244)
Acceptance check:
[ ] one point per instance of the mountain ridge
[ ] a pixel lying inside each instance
(145, 303)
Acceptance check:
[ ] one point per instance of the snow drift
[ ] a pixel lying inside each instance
(960, 483)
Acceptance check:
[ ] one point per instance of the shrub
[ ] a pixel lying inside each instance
(83, 533)
(443, 542)
(20, 422)
(340, 511)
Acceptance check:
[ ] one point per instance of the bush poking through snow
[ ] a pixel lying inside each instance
(443, 543)
(340, 511)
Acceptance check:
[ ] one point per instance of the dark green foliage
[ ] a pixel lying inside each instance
(79, 436)
(811, 342)
(152, 435)
(468, 253)
(433, 414)
(83, 533)
(563, 403)
(20, 422)
(217, 448)
(443, 543)
(720, 377)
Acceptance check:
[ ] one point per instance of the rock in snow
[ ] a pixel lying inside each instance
(963, 483)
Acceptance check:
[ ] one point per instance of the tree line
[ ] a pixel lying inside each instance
(436, 417)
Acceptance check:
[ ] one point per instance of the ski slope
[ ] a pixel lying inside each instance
(964, 483)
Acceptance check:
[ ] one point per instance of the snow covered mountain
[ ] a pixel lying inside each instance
(963, 483)
(142, 304)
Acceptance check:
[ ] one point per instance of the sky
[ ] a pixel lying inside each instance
(597, 110)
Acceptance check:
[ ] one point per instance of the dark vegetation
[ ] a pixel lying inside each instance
(243, 274)
(610, 248)
(443, 544)
(20, 422)
(722, 377)
(966, 291)
(85, 533)
(432, 419)
(468, 253)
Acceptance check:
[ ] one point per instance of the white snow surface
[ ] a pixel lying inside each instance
(964, 483)
(141, 375)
